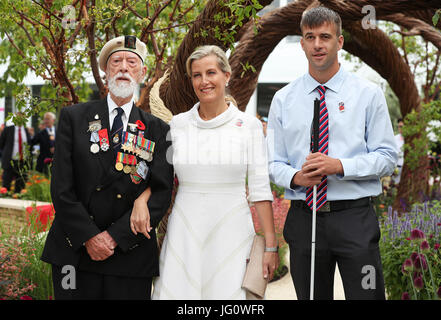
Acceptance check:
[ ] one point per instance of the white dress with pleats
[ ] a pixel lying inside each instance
(210, 229)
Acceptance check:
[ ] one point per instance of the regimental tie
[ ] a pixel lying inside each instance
(117, 129)
(323, 148)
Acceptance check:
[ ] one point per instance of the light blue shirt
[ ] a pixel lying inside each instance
(360, 135)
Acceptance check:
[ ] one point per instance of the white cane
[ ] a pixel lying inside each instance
(315, 128)
(314, 211)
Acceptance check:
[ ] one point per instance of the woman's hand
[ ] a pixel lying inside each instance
(140, 217)
(270, 264)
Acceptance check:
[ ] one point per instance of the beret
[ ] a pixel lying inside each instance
(122, 43)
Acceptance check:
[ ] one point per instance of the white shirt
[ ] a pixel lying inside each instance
(15, 149)
(112, 111)
(399, 140)
(51, 131)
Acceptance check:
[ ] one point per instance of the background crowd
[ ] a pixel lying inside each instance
(22, 150)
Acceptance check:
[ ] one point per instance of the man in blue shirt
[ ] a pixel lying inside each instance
(356, 148)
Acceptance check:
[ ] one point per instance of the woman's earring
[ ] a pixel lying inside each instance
(226, 84)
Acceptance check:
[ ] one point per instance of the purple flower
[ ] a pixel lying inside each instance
(417, 235)
(418, 283)
(438, 292)
(405, 296)
(407, 266)
(424, 246)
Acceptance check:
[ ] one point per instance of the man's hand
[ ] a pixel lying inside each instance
(140, 217)
(316, 166)
(101, 246)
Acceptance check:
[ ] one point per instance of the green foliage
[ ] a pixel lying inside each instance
(239, 11)
(283, 268)
(416, 129)
(24, 275)
(399, 243)
(280, 191)
(436, 16)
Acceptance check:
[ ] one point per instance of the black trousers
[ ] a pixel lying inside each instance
(17, 171)
(70, 284)
(348, 238)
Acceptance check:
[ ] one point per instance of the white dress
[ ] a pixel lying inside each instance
(210, 229)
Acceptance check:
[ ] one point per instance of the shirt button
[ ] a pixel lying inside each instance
(119, 196)
(98, 189)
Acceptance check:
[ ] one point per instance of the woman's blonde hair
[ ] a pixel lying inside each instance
(222, 61)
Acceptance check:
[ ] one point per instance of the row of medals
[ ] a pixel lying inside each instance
(129, 145)
(95, 126)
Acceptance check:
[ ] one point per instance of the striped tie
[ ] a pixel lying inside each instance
(323, 148)
(117, 129)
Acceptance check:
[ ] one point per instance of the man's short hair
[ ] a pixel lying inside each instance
(316, 17)
(52, 115)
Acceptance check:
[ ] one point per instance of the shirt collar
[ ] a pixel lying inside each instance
(126, 107)
(334, 83)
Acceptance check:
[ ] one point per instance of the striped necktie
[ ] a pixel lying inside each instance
(323, 148)
(117, 128)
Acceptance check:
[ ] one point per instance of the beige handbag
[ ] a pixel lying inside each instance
(253, 281)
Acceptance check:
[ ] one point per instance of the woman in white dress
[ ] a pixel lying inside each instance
(216, 150)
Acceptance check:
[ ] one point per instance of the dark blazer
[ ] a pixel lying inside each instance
(7, 144)
(90, 195)
(42, 138)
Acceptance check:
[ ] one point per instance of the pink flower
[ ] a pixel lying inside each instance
(3, 190)
(47, 160)
(438, 292)
(407, 266)
(25, 298)
(418, 283)
(405, 296)
(419, 262)
(436, 246)
(417, 235)
(425, 247)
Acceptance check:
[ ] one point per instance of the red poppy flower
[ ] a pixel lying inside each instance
(141, 126)
(3, 190)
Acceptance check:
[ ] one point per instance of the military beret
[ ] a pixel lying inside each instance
(122, 43)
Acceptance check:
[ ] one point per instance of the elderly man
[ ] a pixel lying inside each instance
(108, 155)
(45, 138)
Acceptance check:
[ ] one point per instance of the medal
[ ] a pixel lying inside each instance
(142, 169)
(94, 148)
(104, 139)
(127, 169)
(119, 161)
(94, 126)
(105, 147)
(136, 179)
(149, 156)
(115, 138)
(132, 126)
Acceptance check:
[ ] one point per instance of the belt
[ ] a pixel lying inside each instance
(338, 205)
